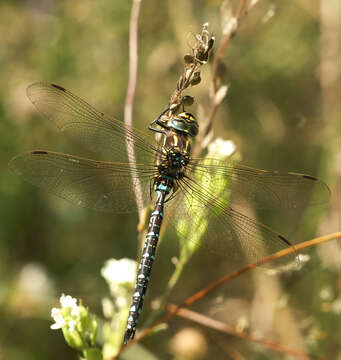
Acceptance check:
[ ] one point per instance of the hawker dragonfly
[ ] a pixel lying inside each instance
(198, 193)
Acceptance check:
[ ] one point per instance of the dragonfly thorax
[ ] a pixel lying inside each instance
(173, 159)
(172, 166)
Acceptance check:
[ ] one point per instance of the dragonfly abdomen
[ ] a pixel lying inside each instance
(146, 262)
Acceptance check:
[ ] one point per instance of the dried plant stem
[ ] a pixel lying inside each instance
(230, 330)
(128, 106)
(207, 124)
(133, 60)
(225, 42)
(200, 294)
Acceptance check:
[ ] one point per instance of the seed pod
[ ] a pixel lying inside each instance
(196, 74)
(187, 100)
(195, 81)
(189, 59)
(202, 55)
(210, 43)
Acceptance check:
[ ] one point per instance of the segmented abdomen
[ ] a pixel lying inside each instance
(146, 263)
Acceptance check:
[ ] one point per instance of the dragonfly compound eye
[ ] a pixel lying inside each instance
(186, 123)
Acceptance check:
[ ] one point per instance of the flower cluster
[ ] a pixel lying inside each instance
(221, 149)
(79, 328)
(120, 276)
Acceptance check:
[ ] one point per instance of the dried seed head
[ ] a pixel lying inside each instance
(202, 45)
(210, 43)
(187, 100)
(196, 74)
(195, 81)
(201, 55)
(189, 59)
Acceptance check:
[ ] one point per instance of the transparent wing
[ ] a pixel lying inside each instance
(259, 188)
(88, 183)
(102, 134)
(200, 217)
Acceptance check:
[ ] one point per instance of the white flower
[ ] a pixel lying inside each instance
(58, 318)
(72, 325)
(120, 276)
(68, 301)
(119, 271)
(220, 148)
(77, 324)
(67, 314)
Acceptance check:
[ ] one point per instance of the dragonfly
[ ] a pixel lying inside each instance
(206, 196)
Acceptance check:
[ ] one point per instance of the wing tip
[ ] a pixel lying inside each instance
(58, 87)
(311, 177)
(30, 89)
(284, 239)
(38, 152)
(12, 164)
(41, 84)
(327, 192)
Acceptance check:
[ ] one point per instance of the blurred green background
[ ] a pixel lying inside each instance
(283, 110)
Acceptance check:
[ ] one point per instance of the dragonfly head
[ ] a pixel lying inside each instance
(185, 122)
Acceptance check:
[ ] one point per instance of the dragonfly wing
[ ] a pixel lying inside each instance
(88, 183)
(102, 134)
(200, 218)
(259, 188)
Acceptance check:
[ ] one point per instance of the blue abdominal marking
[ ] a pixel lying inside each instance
(163, 188)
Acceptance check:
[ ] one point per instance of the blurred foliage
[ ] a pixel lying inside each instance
(273, 110)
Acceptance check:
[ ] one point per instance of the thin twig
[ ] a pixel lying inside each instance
(128, 106)
(192, 299)
(228, 329)
(224, 44)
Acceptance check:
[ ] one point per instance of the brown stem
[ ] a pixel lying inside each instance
(223, 46)
(128, 106)
(215, 81)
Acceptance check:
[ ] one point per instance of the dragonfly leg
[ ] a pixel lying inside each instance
(158, 122)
